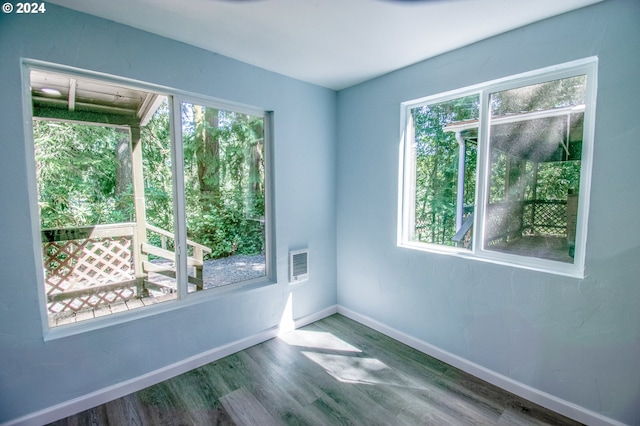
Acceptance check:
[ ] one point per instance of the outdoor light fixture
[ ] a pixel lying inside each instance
(50, 92)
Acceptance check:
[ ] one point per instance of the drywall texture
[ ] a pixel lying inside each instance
(37, 374)
(575, 339)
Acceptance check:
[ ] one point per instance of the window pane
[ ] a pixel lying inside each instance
(445, 136)
(225, 195)
(535, 145)
(158, 255)
(93, 153)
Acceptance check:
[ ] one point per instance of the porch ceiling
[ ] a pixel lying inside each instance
(64, 96)
(538, 136)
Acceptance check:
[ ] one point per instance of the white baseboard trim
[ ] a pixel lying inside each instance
(309, 319)
(121, 389)
(536, 396)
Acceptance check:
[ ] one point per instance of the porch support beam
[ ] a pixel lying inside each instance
(140, 234)
(462, 145)
(72, 94)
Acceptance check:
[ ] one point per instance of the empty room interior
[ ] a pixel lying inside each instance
(359, 189)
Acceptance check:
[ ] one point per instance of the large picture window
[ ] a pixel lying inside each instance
(501, 171)
(143, 195)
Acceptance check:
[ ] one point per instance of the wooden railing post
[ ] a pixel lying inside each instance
(196, 260)
(198, 255)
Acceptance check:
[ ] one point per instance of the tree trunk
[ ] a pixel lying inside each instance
(255, 189)
(207, 155)
(124, 177)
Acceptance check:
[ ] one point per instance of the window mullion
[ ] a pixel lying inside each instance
(586, 166)
(180, 225)
(270, 224)
(483, 173)
(534, 135)
(410, 180)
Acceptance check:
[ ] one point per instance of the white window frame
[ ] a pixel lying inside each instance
(588, 67)
(184, 298)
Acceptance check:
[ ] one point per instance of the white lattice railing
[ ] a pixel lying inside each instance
(88, 266)
(94, 265)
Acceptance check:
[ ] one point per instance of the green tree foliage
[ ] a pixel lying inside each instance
(437, 154)
(77, 175)
(157, 169)
(544, 96)
(550, 178)
(224, 179)
(530, 159)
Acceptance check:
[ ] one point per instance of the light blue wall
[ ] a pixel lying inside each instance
(578, 340)
(35, 374)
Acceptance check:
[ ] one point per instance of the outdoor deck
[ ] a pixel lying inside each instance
(216, 273)
(100, 270)
(118, 305)
(542, 247)
(541, 229)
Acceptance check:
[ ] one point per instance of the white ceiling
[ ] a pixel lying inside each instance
(332, 43)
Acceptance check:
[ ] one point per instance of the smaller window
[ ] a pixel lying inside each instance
(501, 171)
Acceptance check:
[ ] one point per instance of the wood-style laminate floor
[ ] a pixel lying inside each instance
(332, 372)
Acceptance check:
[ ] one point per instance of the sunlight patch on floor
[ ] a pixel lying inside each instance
(359, 370)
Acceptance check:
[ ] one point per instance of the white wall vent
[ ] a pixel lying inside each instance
(298, 265)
